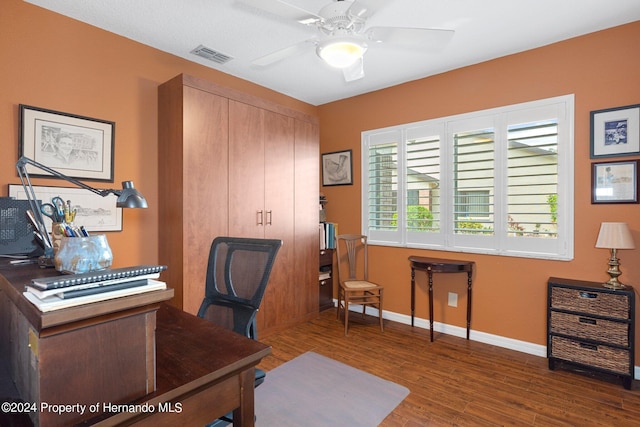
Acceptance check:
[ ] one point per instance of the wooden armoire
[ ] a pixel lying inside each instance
(233, 164)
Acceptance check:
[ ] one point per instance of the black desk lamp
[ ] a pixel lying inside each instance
(128, 197)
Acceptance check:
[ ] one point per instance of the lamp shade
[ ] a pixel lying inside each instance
(341, 52)
(615, 235)
(129, 197)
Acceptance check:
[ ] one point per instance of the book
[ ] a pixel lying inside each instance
(57, 303)
(64, 281)
(44, 293)
(323, 238)
(328, 232)
(93, 288)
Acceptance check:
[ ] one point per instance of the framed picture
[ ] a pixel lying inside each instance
(337, 168)
(76, 146)
(615, 182)
(615, 132)
(95, 212)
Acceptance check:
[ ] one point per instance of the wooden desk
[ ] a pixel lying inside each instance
(203, 372)
(128, 350)
(436, 265)
(99, 351)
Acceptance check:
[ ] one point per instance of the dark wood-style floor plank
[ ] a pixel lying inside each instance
(455, 382)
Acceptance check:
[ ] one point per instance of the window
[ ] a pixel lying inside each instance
(497, 181)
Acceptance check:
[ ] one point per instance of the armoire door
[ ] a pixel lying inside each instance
(307, 173)
(261, 195)
(192, 161)
(246, 170)
(279, 305)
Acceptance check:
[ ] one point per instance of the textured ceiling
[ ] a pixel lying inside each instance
(484, 30)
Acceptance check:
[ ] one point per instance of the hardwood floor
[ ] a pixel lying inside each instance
(457, 382)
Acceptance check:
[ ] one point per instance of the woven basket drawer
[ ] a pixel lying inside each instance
(590, 328)
(600, 356)
(601, 303)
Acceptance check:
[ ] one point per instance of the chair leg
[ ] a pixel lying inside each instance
(380, 311)
(346, 315)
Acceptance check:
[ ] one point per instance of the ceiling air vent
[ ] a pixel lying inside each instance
(211, 55)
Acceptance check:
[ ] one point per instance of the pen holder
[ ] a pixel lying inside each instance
(83, 254)
(56, 236)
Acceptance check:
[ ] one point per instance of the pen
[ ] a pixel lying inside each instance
(23, 261)
(69, 231)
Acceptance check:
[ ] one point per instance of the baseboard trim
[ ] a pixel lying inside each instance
(497, 340)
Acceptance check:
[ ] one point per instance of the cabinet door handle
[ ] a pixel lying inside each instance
(268, 217)
(588, 295)
(589, 346)
(587, 320)
(259, 217)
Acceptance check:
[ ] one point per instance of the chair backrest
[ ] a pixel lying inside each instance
(237, 275)
(350, 249)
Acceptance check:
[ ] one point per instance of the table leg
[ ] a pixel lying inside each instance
(413, 294)
(244, 415)
(468, 303)
(430, 273)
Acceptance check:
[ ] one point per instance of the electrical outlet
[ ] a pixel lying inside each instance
(453, 299)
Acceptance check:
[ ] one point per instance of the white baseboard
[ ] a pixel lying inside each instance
(509, 343)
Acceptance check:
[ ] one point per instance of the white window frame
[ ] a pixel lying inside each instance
(559, 248)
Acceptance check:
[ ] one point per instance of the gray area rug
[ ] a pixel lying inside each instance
(313, 390)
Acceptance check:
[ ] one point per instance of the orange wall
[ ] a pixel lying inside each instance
(54, 62)
(509, 297)
(50, 61)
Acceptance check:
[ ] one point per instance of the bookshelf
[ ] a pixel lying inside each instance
(327, 245)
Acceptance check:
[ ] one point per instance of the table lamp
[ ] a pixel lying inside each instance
(614, 236)
(128, 197)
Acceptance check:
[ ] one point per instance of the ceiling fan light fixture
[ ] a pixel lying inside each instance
(341, 52)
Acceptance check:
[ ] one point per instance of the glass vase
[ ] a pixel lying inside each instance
(77, 255)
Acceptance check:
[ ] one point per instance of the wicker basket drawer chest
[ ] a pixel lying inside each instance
(591, 327)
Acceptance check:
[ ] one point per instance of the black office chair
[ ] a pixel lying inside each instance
(237, 275)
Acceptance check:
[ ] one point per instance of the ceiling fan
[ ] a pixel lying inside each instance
(343, 36)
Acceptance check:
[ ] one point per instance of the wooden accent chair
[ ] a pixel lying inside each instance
(354, 285)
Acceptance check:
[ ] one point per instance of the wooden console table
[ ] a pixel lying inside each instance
(436, 265)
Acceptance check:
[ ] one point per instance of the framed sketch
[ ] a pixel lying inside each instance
(337, 168)
(76, 146)
(615, 132)
(615, 182)
(95, 212)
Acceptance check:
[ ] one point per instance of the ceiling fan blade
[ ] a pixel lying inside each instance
(366, 8)
(354, 72)
(279, 55)
(412, 38)
(284, 9)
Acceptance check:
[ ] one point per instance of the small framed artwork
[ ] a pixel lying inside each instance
(337, 168)
(615, 182)
(95, 212)
(615, 132)
(76, 146)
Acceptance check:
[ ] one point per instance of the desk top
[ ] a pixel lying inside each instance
(440, 265)
(190, 353)
(13, 279)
